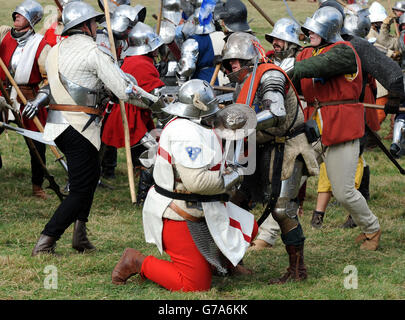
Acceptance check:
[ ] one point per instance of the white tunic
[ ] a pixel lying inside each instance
(188, 144)
(79, 60)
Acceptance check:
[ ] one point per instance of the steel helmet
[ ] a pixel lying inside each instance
(113, 4)
(30, 10)
(325, 22)
(234, 15)
(76, 13)
(196, 99)
(285, 29)
(399, 5)
(240, 45)
(142, 40)
(377, 12)
(357, 21)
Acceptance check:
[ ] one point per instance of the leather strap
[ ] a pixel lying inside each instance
(75, 108)
(193, 197)
(183, 213)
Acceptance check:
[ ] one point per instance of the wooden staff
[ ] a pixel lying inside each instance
(265, 16)
(159, 18)
(130, 166)
(215, 74)
(37, 123)
(58, 5)
(380, 107)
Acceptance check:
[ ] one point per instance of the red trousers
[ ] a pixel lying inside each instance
(188, 270)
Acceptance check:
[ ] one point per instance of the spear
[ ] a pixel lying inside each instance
(122, 107)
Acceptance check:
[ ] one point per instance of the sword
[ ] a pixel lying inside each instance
(38, 136)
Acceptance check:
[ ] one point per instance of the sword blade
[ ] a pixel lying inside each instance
(38, 136)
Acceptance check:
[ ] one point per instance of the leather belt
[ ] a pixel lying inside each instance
(193, 197)
(183, 213)
(75, 108)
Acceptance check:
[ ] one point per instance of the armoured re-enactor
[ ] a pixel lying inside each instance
(187, 213)
(24, 53)
(280, 129)
(329, 75)
(77, 71)
(285, 40)
(203, 45)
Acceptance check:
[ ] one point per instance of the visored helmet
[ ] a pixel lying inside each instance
(196, 99)
(30, 10)
(285, 29)
(142, 40)
(76, 13)
(325, 22)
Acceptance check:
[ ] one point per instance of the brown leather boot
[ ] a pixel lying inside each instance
(45, 244)
(372, 241)
(129, 265)
(80, 242)
(38, 192)
(296, 271)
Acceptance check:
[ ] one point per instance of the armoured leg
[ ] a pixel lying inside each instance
(398, 137)
(292, 235)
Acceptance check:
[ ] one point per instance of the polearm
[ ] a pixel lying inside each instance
(368, 105)
(36, 121)
(380, 107)
(159, 18)
(215, 74)
(58, 5)
(122, 107)
(265, 16)
(52, 183)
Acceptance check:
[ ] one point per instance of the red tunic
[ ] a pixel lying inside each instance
(342, 122)
(7, 48)
(51, 37)
(139, 120)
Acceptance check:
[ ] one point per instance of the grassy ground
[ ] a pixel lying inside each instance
(116, 224)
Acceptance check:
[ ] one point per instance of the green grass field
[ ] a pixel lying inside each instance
(114, 224)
